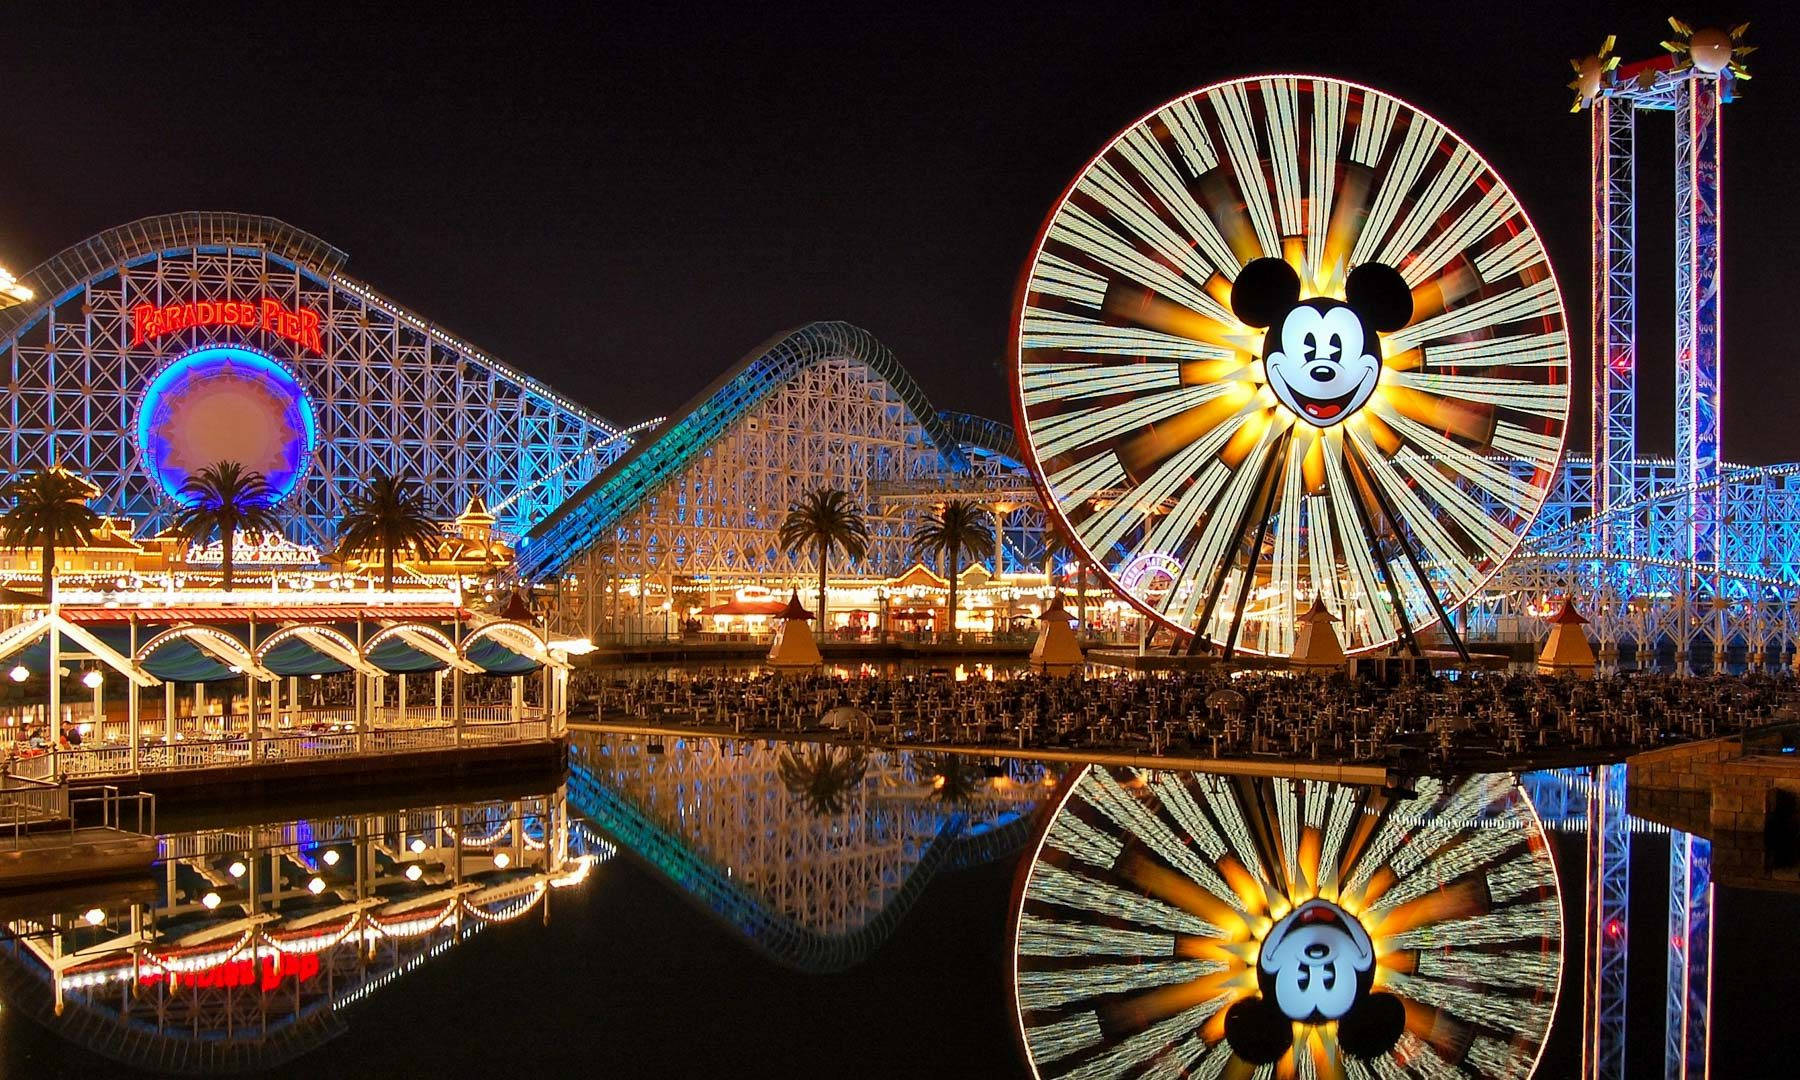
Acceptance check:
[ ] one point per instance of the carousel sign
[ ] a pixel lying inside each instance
(298, 325)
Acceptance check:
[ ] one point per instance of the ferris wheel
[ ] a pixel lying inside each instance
(1171, 922)
(1295, 339)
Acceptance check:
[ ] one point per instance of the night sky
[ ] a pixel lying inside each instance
(625, 201)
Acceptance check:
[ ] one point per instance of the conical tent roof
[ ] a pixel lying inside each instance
(1056, 611)
(795, 609)
(1567, 615)
(517, 609)
(1318, 613)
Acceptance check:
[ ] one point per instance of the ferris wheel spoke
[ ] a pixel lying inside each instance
(1327, 139)
(1445, 552)
(1356, 541)
(1513, 257)
(1232, 107)
(1101, 422)
(1416, 148)
(1495, 207)
(1082, 334)
(1444, 189)
(1207, 337)
(1122, 202)
(1140, 149)
(1073, 381)
(1223, 532)
(1087, 235)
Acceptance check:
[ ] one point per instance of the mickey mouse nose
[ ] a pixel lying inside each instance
(1322, 372)
(1316, 951)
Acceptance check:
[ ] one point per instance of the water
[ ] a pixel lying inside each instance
(690, 911)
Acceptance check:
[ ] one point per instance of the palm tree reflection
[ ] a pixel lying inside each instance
(822, 777)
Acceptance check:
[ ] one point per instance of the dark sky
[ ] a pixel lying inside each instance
(624, 201)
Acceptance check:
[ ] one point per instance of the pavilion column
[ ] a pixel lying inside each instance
(437, 698)
(456, 702)
(256, 724)
(200, 705)
(293, 701)
(360, 704)
(132, 690)
(402, 702)
(169, 711)
(54, 724)
(546, 703)
(518, 698)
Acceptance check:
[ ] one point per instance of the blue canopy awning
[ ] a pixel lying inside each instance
(296, 656)
(180, 660)
(396, 656)
(496, 659)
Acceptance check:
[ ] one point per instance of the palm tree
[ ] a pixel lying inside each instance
(959, 526)
(955, 779)
(822, 776)
(49, 512)
(226, 498)
(388, 515)
(826, 519)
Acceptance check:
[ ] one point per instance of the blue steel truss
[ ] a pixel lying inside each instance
(1687, 1037)
(583, 520)
(1608, 910)
(392, 390)
(1614, 325)
(1697, 329)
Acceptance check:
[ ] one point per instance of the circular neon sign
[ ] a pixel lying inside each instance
(225, 403)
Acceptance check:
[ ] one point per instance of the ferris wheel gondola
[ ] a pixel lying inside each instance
(1289, 338)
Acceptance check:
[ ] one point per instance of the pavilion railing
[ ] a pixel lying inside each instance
(237, 748)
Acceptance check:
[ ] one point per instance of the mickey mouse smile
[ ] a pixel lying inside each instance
(1323, 411)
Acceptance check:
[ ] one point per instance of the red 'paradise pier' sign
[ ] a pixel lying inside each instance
(298, 325)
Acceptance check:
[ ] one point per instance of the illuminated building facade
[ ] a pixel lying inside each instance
(175, 341)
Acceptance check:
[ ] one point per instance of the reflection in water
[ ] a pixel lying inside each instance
(243, 952)
(1173, 921)
(812, 853)
(1169, 924)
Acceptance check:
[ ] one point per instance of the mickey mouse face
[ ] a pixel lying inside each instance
(1317, 958)
(1322, 357)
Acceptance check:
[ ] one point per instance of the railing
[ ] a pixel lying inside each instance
(239, 749)
(25, 802)
(112, 808)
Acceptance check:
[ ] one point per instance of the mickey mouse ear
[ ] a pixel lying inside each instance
(1379, 294)
(1257, 1031)
(1265, 288)
(1372, 1028)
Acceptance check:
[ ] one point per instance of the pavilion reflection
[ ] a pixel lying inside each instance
(252, 940)
(812, 853)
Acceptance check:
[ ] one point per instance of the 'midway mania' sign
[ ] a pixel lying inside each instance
(298, 325)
